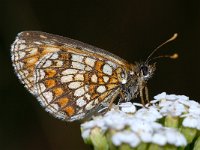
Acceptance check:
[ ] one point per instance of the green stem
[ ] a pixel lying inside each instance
(98, 139)
(171, 121)
(189, 133)
(197, 144)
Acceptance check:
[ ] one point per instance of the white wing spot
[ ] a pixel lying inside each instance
(79, 77)
(75, 85)
(41, 74)
(96, 101)
(101, 89)
(65, 79)
(79, 92)
(69, 71)
(48, 96)
(88, 68)
(54, 56)
(86, 88)
(22, 46)
(107, 69)
(42, 87)
(80, 102)
(105, 79)
(81, 71)
(21, 54)
(90, 61)
(59, 63)
(55, 106)
(78, 65)
(87, 96)
(33, 51)
(78, 58)
(94, 78)
(89, 105)
(47, 63)
(112, 64)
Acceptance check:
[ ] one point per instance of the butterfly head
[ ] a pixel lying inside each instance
(146, 71)
(137, 78)
(143, 71)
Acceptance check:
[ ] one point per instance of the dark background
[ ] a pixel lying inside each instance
(129, 28)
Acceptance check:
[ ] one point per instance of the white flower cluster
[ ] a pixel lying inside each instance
(134, 127)
(179, 105)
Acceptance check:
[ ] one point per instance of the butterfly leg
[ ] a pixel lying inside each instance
(111, 103)
(113, 99)
(147, 94)
(141, 95)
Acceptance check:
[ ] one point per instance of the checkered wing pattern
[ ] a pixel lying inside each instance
(69, 78)
(70, 85)
(26, 51)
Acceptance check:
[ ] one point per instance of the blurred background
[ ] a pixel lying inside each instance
(130, 29)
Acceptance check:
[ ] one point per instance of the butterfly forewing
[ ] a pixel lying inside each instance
(68, 77)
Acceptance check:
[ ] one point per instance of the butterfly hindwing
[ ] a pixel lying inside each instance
(69, 85)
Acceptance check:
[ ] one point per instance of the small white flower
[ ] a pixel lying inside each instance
(194, 110)
(149, 114)
(85, 133)
(172, 108)
(170, 136)
(96, 122)
(145, 137)
(180, 140)
(125, 137)
(127, 107)
(171, 97)
(165, 103)
(193, 103)
(184, 102)
(160, 96)
(144, 128)
(174, 137)
(191, 121)
(138, 125)
(159, 139)
(182, 97)
(115, 119)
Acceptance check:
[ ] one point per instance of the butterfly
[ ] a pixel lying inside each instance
(72, 80)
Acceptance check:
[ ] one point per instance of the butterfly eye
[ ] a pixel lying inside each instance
(145, 70)
(123, 75)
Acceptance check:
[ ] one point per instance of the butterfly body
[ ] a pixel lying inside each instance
(72, 79)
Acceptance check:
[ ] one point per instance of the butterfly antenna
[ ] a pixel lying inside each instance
(170, 56)
(173, 56)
